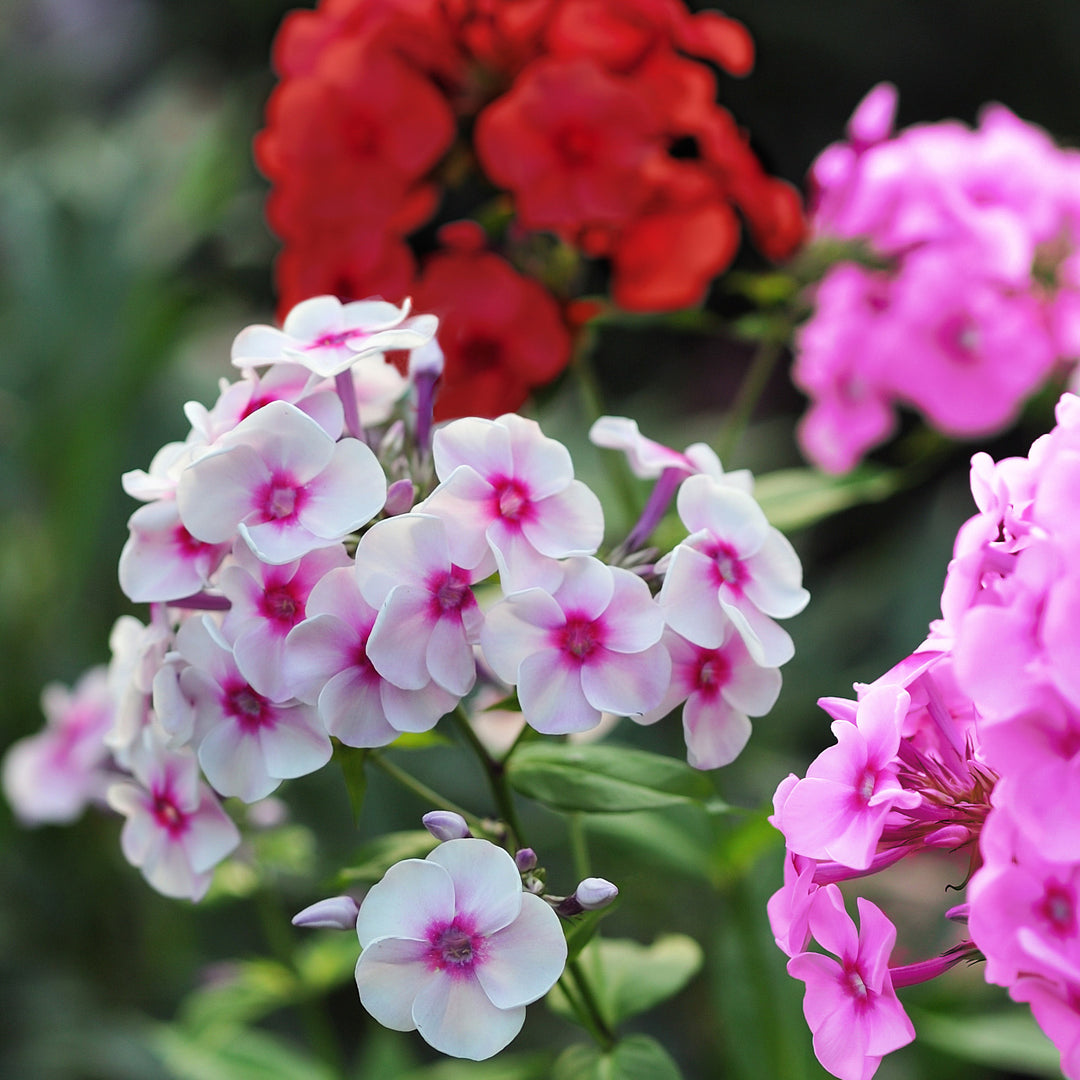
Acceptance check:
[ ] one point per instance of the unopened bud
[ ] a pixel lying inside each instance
(958, 913)
(337, 913)
(595, 892)
(427, 359)
(948, 836)
(446, 825)
(526, 860)
(399, 498)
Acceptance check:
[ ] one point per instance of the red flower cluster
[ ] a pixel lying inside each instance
(597, 116)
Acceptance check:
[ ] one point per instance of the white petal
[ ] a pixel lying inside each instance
(569, 522)
(552, 700)
(398, 643)
(627, 683)
(416, 710)
(450, 657)
(544, 465)
(715, 732)
(481, 444)
(775, 583)
(587, 587)
(389, 975)
(350, 706)
(515, 628)
(524, 959)
(233, 763)
(218, 491)
(296, 744)
(413, 896)
(400, 550)
(256, 345)
(725, 512)
(457, 1018)
(633, 620)
(689, 599)
(487, 883)
(349, 492)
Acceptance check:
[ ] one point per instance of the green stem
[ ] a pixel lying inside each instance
(599, 1026)
(567, 986)
(420, 789)
(579, 845)
(496, 774)
(753, 385)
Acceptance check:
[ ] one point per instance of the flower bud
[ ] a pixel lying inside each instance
(427, 359)
(446, 825)
(336, 913)
(526, 860)
(399, 498)
(595, 892)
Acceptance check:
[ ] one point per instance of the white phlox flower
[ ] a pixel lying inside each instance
(454, 948)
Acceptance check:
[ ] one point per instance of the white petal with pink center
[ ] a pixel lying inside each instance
(283, 484)
(591, 647)
(452, 947)
(428, 617)
(328, 337)
(510, 491)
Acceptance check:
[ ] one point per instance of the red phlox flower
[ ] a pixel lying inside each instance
(501, 333)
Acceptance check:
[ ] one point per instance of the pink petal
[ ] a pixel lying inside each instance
(351, 707)
(715, 732)
(626, 683)
(346, 494)
(487, 883)
(413, 896)
(399, 639)
(552, 700)
(516, 628)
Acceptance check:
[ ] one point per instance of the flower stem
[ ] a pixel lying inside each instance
(579, 845)
(346, 391)
(753, 385)
(420, 789)
(496, 774)
(597, 1025)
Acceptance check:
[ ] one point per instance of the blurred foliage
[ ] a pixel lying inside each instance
(132, 248)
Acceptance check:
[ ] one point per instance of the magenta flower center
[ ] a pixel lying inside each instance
(281, 604)
(854, 984)
(727, 565)
(511, 499)
(580, 636)
(167, 815)
(280, 498)
(864, 789)
(250, 709)
(450, 592)
(455, 947)
(713, 671)
(1059, 910)
(335, 341)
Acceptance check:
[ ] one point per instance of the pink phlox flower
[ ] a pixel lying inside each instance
(328, 337)
(1024, 907)
(789, 907)
(453, 948)
(428, 617)
(51, 776)
(1003, 491)
(237, 400)
(719, 688)
(247, 743)
(839, 810)
(161, 560)
(591, 646)
(327, 664)
(509, 497)
(1056, 1007)
(267, 602)
(176, 831)
(283, 484)
(137, 654)
(734, 567)
(648, 459)
(850, 1004)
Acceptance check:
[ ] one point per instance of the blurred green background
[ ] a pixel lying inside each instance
(132, 249)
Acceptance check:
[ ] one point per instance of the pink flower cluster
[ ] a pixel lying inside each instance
(319, 566)
(970, 296)
(971, 744)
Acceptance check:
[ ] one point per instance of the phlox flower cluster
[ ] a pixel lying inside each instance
(316, 571)
(967, 295)
(573, 129)
(971, 744)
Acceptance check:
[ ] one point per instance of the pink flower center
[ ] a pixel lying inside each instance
(1058, 909)
(281, 604)
(455, 947)
(864, 788)
(450, 592)
(248, 708)
(280, 498)
(713, 672)
(959, 337)
(727, 565)
(512, 501)
(335, 341)
(854, 984)
(580, 636)
(167, 815)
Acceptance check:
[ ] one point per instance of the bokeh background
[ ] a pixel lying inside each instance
(132, 249)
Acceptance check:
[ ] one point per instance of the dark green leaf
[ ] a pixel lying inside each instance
(604, 779)
(795, 498)
(536, 1066)
(638, 1057)
(352, 768)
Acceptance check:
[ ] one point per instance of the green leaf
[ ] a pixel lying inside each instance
(234, 1054)
(638, 1057)
(1011, 1041)
(603, 779)
(420, 740)
(326, 961)
(582, 930)
(243, 992)
(629, 978)
(677, 838)
(795, 498)
(375, 858)
(352, 768)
